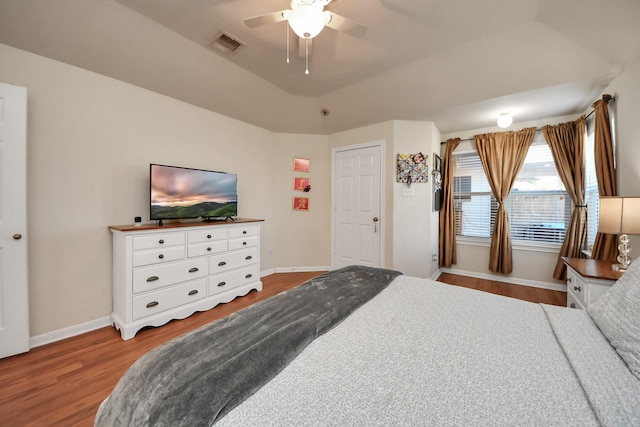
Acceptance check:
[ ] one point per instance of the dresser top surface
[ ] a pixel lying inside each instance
(592, 268)
(175, 225)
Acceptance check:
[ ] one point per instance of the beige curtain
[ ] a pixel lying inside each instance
(566, 141)
(447, 232)
(502, 155)
(605, 246)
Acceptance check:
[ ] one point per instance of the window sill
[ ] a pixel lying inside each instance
(517, 245)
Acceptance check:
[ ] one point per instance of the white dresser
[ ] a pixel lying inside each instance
(170, 272)
(587, 280)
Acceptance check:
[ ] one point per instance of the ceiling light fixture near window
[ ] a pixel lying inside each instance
(505, 120)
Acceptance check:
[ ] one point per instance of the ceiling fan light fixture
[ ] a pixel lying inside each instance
(307, 20)
(505, 120)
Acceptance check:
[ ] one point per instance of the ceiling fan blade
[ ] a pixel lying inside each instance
(269, 18)
(345, 25)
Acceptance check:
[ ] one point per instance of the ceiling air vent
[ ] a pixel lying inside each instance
(226, 43)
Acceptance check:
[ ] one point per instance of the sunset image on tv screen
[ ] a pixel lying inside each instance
(191, 193)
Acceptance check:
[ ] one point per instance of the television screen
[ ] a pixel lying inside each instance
(178, 193)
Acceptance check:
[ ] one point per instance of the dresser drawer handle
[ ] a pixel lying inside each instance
(244, 243)
(577, 288)
(573, 305)
(193, 269)
(160, 256)
(208, 236)
(222, 263)
(193, 292)
(248, 257)
(244, 231)
(208, 249)
(248, 276)
(152, 304)
(161, 241)
(222, 284)
(569, 279)
(152, 278)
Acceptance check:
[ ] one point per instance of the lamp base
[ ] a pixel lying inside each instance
(619, 267)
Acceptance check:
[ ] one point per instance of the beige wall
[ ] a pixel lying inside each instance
(90, 142)
(91, 138)
(535, 266)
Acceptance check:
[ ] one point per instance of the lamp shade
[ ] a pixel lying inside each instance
(619, 215)
(307, 20)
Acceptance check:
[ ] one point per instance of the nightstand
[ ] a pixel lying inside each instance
(587, 280)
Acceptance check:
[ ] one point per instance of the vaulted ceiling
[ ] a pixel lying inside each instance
(458, 63)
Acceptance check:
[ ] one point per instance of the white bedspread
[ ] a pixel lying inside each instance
(426, 353)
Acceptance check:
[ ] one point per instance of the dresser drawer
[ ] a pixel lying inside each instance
(243, 242)
(576, 286)
(165, 299)
(572, 302)
(222, 282)
(158, 256)
(206, 248)
(232, 260)
(207, 235)
(155, 241)
(151, 278)
(243, 232)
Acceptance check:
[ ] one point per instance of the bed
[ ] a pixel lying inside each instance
(363, 346)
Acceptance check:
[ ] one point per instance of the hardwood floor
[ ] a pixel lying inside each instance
(62, 384)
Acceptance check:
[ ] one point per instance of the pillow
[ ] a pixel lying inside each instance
(617, 315)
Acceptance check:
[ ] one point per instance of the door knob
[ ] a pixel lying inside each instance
(17, 236)
(375, 219)
(375, 224)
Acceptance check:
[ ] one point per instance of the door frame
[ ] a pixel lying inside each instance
(383, 211)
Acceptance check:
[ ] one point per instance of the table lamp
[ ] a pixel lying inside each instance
(620, 215)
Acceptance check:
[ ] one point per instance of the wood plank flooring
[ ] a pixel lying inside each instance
(62, 384)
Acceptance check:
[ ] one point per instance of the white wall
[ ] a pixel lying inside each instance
(413, 215)
(626, 88)
(90, 142)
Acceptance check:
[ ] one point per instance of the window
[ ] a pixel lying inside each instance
(591, 198)
(538, 206)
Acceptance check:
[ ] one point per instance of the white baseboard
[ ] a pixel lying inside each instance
(514, 280)
(71, 331)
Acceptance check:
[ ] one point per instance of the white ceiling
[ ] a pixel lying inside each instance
(458, 63)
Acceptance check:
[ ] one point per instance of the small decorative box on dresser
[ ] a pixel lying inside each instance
(587, 280)
(170, 272)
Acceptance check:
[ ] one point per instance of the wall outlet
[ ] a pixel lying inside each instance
(434, 257)
(408, 192)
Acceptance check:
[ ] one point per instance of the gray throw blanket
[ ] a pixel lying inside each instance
(199, 377)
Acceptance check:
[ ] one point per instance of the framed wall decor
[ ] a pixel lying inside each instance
(437, 182)
(301, 184)
(301, 165)
(300, 204)
(412, 168)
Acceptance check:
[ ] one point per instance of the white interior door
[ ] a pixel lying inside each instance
(14, 297)
(357, 199)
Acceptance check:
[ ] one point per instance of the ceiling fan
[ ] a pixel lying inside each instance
(307, 18)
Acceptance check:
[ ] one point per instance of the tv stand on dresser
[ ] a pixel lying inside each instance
(169, 272)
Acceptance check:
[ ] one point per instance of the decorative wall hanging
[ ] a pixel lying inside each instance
(301, 165)
(412, 168)
(302, 184)
(300, 204)
(437, 182)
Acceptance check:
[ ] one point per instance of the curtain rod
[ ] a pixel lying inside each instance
(606, 98)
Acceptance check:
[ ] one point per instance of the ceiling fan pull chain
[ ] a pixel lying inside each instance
(306, 55)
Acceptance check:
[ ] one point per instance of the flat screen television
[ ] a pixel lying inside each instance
(181, 193)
